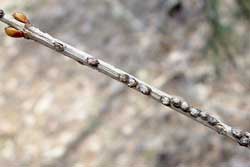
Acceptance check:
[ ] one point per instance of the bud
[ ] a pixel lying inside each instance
(12, 32)
(21, 17)
(92, 61)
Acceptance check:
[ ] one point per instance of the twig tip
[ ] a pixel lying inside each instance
(1, 13)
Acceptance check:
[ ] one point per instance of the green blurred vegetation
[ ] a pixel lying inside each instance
(224, 44)
(244, 8)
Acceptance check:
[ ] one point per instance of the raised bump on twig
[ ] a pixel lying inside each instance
(194, 112)
(144, 89)
(132, 82)
(124, 78)
(212, 121)
(220, 129)
(92, 61)
(237, 133)
(184, 106)
(176, 102)
(58, 46)
(244, 141)
(165, 101)
(203, 115)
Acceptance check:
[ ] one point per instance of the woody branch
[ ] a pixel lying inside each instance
(20, 26)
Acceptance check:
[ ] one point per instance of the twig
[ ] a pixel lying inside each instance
(28, 31)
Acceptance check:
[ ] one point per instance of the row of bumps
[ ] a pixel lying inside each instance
(186, 108)
(174, 102)
(242, 137)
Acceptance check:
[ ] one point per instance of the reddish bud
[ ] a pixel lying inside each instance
(12, 32)
(21, 17)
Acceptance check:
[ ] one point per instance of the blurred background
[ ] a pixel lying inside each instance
(54, 112)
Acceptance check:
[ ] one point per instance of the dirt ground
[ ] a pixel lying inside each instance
(54, 112)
